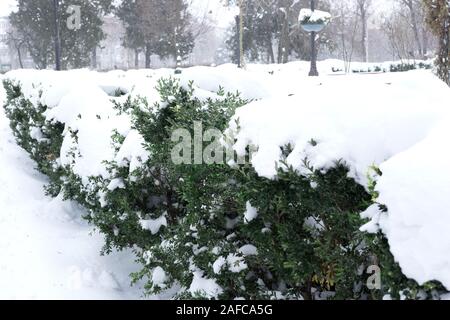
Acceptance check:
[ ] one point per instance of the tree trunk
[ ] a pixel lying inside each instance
(238, 41)
(271, 53)
(44, 63)
(280, 50)
(283, 44)
(94, 58)
(444, 52)
(136, 59)
(415, 28)
(286, 35)
(425, 43)
(268, 24)
(148, 56)
(57, 37)
(19, 56)
(241, 34)
(364, 34)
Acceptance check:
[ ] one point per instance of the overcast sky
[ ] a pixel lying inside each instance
(6, 6)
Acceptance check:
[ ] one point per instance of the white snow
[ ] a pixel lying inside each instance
(159, 277)
(314, 16)
(363, 120)
(46, 248)
(201, 284)
(233, 262)
(251, 213)
(236, 263)
(132, 152)
(248, 250)
(154, 225)
(93, 126)
(416, 186)
(116, 184)
(219, 264)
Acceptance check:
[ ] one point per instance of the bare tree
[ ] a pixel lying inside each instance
(413, 7)
(241, 4)
(201, 24)
(364, 7)
(284, 42)
(401, 38)
(406, 30)
(344, 28)
(17, 42)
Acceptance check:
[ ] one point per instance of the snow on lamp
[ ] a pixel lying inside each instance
(313, 21)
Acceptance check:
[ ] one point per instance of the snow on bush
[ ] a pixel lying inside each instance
(334, 119)
(107, 137)
(403, 129)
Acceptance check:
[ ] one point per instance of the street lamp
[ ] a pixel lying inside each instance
(313, 21)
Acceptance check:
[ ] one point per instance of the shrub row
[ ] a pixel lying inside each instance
(394, 67)
(218, 231)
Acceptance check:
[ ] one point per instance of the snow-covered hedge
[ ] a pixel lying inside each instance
(41, 139)
(286, 225)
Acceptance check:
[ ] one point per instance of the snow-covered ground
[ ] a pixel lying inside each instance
(397, 121)
(46, 249)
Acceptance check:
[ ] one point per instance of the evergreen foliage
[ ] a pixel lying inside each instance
(159, 27)
(34, 21)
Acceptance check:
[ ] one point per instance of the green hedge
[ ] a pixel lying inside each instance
(40, 138)
(304, 243)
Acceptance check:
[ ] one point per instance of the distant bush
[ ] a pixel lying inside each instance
(393, 67)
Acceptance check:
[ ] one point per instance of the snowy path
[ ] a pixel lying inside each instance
(46, 250)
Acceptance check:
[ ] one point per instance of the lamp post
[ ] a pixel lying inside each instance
(313, 21)
(313, 72)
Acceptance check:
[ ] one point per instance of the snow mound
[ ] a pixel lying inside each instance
(415, 186)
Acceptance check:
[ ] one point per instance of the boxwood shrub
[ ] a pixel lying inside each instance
(187, 222)
(40, 138)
